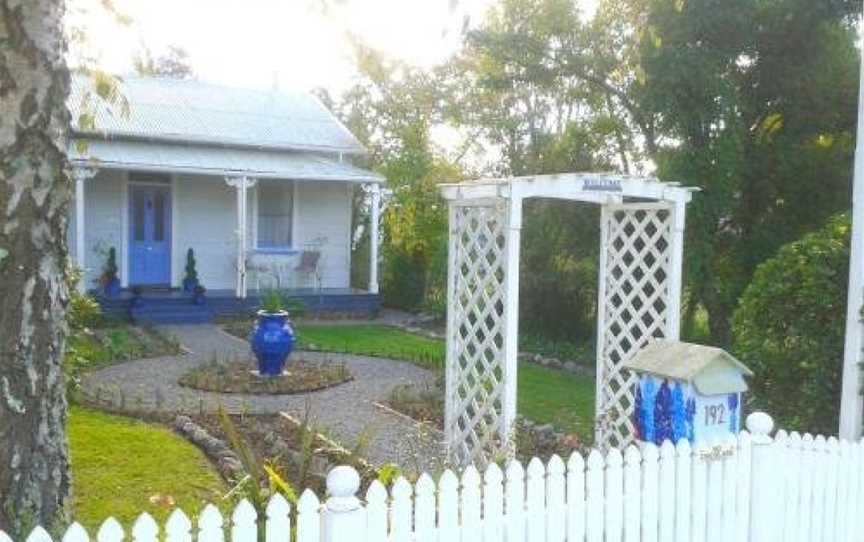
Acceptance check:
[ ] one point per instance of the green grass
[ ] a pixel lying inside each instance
(544, 395)
(373, 340)
(551, 396)
(122, 467)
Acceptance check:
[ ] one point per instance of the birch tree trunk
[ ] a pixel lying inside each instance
(34, 195)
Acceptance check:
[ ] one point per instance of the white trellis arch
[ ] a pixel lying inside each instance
(642, 227)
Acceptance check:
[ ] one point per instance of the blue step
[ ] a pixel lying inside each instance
(171, 313)
(172, 318)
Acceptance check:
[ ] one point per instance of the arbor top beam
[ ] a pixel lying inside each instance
(600, 188)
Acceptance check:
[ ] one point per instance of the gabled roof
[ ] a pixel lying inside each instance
(705, 366)
(194, 112)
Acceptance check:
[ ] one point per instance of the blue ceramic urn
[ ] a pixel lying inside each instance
(272, 340)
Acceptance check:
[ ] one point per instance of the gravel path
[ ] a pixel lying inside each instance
(345, 412)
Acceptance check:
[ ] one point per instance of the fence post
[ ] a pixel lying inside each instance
(763, 498)
(344, 518)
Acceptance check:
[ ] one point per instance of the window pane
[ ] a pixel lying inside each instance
(274, 213)
(138, 217)
(159, 218)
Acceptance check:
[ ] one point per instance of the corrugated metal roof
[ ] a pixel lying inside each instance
(192, 111)
(209, 160)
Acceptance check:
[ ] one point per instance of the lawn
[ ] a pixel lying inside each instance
(552, 396)
(544, 395)
(122, 467)
(373, 340)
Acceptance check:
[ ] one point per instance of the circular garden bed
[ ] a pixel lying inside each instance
(241, 376)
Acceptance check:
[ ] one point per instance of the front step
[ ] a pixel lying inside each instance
(171, 311)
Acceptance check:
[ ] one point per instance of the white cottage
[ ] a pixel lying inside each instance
(259, 184)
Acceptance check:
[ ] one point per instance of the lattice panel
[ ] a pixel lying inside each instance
(475, 427)
(635, 293)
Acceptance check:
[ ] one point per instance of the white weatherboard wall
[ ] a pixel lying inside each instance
(786, 488)
(323, 210)
(204, 215)
(103, 220)
(206, 221)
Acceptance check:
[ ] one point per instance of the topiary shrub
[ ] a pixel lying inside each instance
(789, 328)
(190, 281)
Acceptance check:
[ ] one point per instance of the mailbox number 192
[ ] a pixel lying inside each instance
(714, 414)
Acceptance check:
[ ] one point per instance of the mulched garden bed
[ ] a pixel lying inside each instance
(239, 376)
(291, 447)
(423, 405)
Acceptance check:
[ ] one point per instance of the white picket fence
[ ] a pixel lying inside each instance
(753, 488)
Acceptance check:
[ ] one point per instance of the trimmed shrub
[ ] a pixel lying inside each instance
(789, 328)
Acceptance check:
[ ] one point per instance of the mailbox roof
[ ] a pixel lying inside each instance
(712, 370)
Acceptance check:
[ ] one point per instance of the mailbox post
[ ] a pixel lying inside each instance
(687, 391)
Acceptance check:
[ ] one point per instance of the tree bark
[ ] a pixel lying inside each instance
(34, 195)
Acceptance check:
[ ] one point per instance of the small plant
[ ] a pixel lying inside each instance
(388, 473)
(110, 271)
(262, 479)
(190, 281)
(108, 280)
(296, 307)
(272, 301)
(83, 311)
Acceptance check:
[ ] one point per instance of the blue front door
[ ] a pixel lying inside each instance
(149, 235)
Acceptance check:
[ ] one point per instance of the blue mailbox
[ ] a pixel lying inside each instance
(687, 391)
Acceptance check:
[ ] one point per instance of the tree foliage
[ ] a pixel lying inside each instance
(391, 109)
(174, 63)
(756, 102)
(789, 329)
(751, 101)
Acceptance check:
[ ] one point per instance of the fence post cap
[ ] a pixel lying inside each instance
(343, 482)
(759, 423)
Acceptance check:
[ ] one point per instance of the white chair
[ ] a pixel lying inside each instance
(266, 269)
(309, 266)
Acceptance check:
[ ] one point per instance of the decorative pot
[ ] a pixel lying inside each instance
(137, 301)
(112, 288)
(189, 285)
(199, 299)
(272, 340)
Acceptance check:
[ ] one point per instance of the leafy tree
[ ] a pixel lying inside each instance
(534, 68)
(173, 64)
(509, 85)
(751, 101)
(34, 196)
(391, 109)
(789, 329)
(756, 101)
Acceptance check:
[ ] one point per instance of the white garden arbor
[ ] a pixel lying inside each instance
(641, 250)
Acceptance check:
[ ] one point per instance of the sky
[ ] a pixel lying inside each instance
(300, 44)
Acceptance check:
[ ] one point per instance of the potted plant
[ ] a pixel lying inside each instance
(190, 281)
(198, 295)
(137, 299)
(272, 336)
(108, 280)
